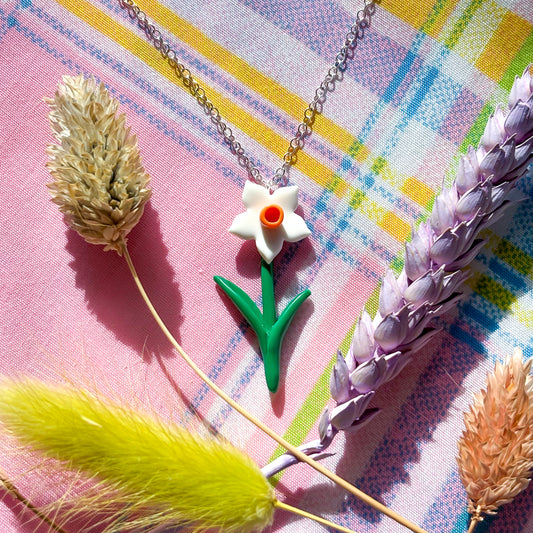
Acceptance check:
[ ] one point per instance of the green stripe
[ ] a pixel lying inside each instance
(355, 148)
(356, 198)
(521, 59)
(492, 291)
(433, 16)
(476, 131)
(334, 182)
(371, 306)
(514, 257)
(462, 23)
(397, 264)
(378, 165)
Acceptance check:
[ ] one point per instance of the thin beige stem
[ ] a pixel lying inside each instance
(473, 524)
(475, 519)
(280, 440)
(295, 510)
(15, 493)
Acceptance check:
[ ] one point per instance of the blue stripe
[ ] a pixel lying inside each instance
(426, 84)
(461, 335)
(392, 87)
(371, 121)
(508, 276)
(481, 318)
(402, 71)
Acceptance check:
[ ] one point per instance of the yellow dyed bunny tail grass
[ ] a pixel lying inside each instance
(161, 473)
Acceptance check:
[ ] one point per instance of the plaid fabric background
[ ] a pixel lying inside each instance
(418, 91)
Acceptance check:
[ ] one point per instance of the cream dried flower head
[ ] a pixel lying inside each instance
(99, 182)
(496, 449)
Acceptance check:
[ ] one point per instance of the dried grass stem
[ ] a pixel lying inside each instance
(15, 493)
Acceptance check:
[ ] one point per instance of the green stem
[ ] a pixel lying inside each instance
(269, 328)
(267, 290)
(270, 347)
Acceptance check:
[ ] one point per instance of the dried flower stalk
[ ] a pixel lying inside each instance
(99, 182)
(432, 279)
(496, 449)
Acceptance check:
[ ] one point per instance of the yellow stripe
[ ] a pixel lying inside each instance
(484, 22)
(338, 186)
(504, 45)
(417, 191)
(289, 102)
(414, 12)
(394, 225)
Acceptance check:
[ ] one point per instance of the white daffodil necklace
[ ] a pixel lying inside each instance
(270, 217)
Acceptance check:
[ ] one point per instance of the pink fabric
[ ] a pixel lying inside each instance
(70, 312)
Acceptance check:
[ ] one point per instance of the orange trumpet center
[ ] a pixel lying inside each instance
(271, 216)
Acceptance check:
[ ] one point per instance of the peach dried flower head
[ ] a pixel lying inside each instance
(496, 449)
(99, 182)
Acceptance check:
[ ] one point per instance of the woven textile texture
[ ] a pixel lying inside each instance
(416, 94)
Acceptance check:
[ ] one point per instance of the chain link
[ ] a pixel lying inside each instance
(304, 129)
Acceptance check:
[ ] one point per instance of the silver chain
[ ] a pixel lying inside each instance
(334, 74)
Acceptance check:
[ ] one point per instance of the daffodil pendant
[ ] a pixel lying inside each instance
(270, 220)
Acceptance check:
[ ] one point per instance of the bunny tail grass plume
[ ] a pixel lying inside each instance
(99, 182)
(496, 449)
(161, 474)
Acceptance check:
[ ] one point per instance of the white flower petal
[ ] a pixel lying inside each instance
(269, 244)
(294, 227)
(269, 240)
(286, 197)
(246, 225)
(255, 196)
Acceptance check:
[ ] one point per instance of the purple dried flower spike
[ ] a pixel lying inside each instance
(431, 280)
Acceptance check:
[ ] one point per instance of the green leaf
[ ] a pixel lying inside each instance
(284, 320)
(244, 304)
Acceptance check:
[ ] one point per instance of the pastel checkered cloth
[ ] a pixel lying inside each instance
(417, 92)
